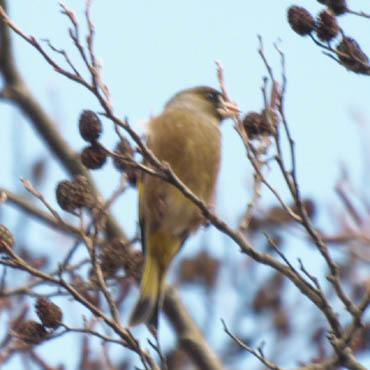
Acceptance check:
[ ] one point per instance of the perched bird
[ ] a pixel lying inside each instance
(187, 137)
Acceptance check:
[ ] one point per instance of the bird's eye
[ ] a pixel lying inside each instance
(214, 97)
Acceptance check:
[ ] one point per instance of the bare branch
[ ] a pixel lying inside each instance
(258, 354)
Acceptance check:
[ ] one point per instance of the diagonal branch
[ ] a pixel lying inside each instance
(16, 91)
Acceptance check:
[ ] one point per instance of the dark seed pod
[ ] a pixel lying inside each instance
(117, 255)
(260, 124)
(300, 20)
(252, 123)
(74, 194)
(134, 265)
(93, 157)
(31, 332)
(113, 257)
(63, 193)
(90, 126)
(337, 6)
(82, 196)
(352, 57)
(326, 26)
(49, 313)
(124, 149)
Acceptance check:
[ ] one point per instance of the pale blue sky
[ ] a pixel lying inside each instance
(152, 49)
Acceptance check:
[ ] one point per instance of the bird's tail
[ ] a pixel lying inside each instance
(160, 250)
(146, 309)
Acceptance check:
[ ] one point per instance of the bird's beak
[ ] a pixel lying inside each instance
(228, 109)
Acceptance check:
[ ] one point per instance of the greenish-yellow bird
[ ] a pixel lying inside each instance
(187, 137)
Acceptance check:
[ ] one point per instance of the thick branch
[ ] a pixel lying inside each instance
(190, 338)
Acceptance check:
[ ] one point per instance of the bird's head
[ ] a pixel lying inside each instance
(204, 100)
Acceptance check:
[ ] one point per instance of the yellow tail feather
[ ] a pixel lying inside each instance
(146, 309)
(161, 248)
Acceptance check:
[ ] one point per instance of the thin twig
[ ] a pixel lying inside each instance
(258, 354)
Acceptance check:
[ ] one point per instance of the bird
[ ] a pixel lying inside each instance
(186, 136)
